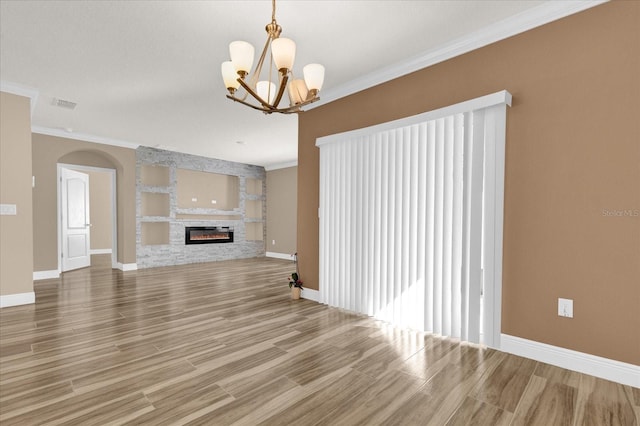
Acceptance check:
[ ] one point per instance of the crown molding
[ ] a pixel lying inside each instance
(82, 137)
(519, 23)
(281, 165)
(20, 90)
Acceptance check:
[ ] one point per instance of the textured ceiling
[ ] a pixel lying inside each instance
(148, 72)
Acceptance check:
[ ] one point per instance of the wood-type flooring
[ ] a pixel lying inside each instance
(222, 343)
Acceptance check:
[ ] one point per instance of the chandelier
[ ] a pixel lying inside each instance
(266, 95)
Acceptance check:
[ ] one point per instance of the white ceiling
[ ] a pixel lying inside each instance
(148, 72)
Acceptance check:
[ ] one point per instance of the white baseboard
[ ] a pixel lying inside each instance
(609, 369)
(100, 251)
(279, 255)
(45, 275)
(310, 294)
(17, 299)
(124, 267)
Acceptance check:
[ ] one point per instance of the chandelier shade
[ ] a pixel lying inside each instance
(230, 76)
(241, 54)
(313, 76)
(264, 90)
(284, 53)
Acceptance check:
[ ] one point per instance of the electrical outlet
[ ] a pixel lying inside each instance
(273, 242)
(565, 308)
(194, 199)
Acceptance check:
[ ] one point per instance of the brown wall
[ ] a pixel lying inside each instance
(282, 188)
(16, 242)
(573, 150)
(100, 209)
(48, 151)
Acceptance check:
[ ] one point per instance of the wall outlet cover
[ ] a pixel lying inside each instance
(8, 210)
(565, 308)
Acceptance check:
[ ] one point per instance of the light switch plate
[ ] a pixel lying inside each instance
(565, 308)
(8, 210)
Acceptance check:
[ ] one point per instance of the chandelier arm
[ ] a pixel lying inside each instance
(255, 95)
(283, 85)
(300, 105)
(233, 98)
(294, 109)
(258, 69)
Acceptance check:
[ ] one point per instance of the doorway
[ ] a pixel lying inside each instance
(74, 251)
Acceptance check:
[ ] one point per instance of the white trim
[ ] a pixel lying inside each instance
(20, 90)
(310, 294)
(494, 152)
(100, 251)
(17, 299)
(609, 369)
(284, 256)
(45, 275)
(524, 21)
(83, 137)
(125, 267)
(277, 166)
(497, 98)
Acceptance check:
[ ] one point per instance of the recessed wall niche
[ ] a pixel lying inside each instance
(254, 231)
(154, 233)
(205, 190)
(154, 175)
(155, 204)
(254, 186)
(253, 209)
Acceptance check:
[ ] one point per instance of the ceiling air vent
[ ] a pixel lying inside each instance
(63, 104)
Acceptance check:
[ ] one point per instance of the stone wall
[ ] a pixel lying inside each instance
(176, 252)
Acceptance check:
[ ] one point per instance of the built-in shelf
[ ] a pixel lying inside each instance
(206, 217)
(155, 189)
(155, 219)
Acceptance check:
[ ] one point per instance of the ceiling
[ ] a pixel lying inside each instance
(148, 72)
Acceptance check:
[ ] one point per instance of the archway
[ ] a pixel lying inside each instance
(97, 163)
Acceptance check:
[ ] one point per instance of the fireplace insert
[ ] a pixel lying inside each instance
(208, 234)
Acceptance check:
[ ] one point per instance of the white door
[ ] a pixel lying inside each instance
(75, 220)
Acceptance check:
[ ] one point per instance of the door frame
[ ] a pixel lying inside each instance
(114, 207)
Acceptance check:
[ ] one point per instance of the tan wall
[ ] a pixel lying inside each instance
(282, 188)
(16, 238)
(573, 150)
(50, 150)
(100, 209)
(205, 187)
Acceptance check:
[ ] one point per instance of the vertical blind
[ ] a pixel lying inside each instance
(401, 220)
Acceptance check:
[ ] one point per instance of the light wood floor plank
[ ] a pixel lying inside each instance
(222, 343)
